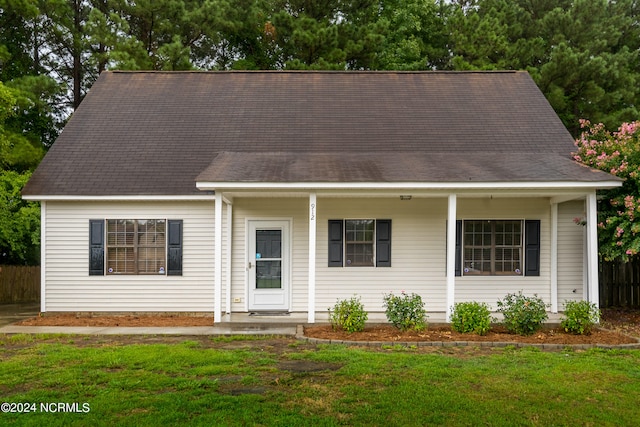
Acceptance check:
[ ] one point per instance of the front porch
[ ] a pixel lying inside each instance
(424, 248)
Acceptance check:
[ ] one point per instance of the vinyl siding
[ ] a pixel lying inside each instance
(417, 254)
(490, 289)
(571, 244)
(70, 288)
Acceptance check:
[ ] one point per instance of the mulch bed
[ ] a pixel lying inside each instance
(443, 333)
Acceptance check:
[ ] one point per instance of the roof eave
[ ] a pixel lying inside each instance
(553, 185)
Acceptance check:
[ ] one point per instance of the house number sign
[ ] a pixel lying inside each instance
(313, 211)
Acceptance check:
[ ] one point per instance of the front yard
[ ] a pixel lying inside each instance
(156, 380)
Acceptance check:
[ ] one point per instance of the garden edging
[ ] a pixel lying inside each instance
(543, 346)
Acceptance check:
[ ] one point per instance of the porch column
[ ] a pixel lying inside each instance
(554, 257)
(592, 249)
(229, 249)
(217, 265)
(451, 254)
(311, 310)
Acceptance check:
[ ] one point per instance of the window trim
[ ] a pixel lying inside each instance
(519, 272)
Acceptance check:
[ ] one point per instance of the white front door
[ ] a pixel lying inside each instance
(268, 265)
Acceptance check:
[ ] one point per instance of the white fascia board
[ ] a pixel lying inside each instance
(212, 186)
(195, 197)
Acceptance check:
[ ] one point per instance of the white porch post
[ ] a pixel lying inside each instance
(229, 248)
(592, 249)
(554, 257)
(217, 276)
(311, 314)
(451, 254)
(43, 256)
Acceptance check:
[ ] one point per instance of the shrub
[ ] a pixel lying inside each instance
(580, 317)
(348, 315)
(405, 312)
(471, 317)
(522, 315)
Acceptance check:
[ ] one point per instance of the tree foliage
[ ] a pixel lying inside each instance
(618, 209)
(583, 54)
(19, 219)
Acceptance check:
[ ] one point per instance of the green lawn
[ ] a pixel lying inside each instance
(248, 381)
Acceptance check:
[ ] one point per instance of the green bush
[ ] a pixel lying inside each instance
(580, 317)
(348, 315)
(405, 312)
(471, 317)
(522, 315)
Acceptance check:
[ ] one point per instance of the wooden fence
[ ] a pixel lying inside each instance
(19, 284)
(619, 284)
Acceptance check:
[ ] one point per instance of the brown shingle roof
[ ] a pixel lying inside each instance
(156, 133)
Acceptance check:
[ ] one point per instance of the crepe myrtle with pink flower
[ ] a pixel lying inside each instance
(618, 209)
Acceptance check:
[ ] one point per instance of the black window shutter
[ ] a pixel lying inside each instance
(532, 247)
(383, 243)
(96, 247)
(459, 237)
(335, 242)
(174, 247)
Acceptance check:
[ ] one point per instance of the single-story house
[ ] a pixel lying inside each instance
(240, 192)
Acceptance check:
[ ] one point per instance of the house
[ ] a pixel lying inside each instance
(236, 192)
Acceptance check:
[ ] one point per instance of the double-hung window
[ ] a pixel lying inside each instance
(136, 246)
(493, 247)
(359, 243)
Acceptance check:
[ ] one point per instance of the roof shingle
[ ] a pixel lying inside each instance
(156, 133)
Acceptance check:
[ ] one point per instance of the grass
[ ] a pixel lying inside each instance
(281, 382)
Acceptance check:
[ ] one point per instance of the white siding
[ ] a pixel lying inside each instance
(571, 243)
(70, 288)
(418, 231)
(418, 254)
(490, 289)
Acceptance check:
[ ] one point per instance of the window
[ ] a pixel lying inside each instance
(493, 247)
(360, 243)
(136, 246)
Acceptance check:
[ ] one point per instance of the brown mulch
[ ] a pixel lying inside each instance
(443, 333)
(117, 320)
(618, 326)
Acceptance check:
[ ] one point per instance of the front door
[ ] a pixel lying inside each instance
(268, 265)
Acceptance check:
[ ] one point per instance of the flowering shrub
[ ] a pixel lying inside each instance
(348, 315)
(471, 317)
(405, 312)
(619, 154)
(580, 317)
(522, 315)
